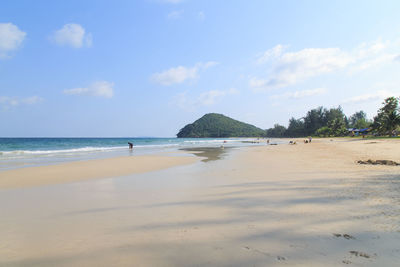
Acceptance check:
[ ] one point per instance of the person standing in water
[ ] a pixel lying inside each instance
(130, 145)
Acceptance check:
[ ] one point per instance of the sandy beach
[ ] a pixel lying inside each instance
(301, 205)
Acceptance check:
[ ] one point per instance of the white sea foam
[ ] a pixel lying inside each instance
(81, 150)
(72, 150)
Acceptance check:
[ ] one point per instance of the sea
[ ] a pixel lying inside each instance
(27, 152)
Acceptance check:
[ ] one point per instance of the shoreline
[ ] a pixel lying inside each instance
(109, 167)
(30, 152)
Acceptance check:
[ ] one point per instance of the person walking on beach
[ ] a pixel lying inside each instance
(309, 139)
(130, 145)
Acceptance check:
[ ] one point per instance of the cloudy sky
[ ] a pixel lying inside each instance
(148, 67)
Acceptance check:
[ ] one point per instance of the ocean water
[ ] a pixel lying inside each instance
(25, 152)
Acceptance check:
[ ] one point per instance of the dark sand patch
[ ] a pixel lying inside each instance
(208, 153)
(379, 162)
(346, 236)
(359, 254)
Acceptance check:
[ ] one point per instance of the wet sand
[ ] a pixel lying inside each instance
(88, 169)
(208, 153)
(302, 205)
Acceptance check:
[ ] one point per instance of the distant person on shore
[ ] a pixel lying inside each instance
(309, 139)
(130, 145)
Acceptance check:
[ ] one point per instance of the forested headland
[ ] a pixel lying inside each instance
(325, 122)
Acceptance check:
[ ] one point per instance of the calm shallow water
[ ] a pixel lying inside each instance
(26, 152)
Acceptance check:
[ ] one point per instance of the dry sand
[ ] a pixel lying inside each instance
(301, 205)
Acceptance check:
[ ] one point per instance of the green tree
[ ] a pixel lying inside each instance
(388, 117)
(358, 115)
(362, 123)
(334, 113)
(359, 120)
(295, 128)
(314, 120)
(338, 127)
(324, 131)
(332, 121)
(277, 131)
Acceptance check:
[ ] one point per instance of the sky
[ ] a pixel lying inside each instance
(148, 67)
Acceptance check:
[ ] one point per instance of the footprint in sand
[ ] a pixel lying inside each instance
(347, 236)
(280, 258)
(359, 254)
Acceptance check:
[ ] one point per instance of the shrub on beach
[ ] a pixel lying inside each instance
(324, 131)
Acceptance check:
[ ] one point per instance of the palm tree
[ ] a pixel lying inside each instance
(388, 117)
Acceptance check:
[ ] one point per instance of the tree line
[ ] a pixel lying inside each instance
(333, 122)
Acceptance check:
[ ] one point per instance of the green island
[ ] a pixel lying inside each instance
(217, 125)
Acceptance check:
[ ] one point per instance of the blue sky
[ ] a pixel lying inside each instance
(147, 68)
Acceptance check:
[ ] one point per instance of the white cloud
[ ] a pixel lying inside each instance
(31, 100)
(294, 67)
(99, 89)
(397, 58)
(7, 102)
(11, 38)
(207, 98)
(367, 49)
(180, 74)
(369, 97)
(371, 62)
(274, 52)
(176, 14)
(368, 55)
(210, 97)
(301, 94)
(175, 75)
(257, 83)
(290, 68)
(73, 35)
(201, 16)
